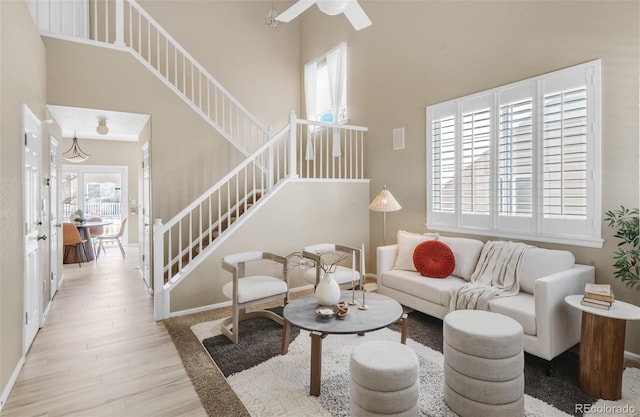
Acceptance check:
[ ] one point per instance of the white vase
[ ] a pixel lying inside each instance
(328, 290)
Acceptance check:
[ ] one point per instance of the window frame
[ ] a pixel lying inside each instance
(579, 230)
(322, 60)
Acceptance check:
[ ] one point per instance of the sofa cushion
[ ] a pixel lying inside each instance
(434, 290)
(466, 252)
(407, 243)
(434, 259)
(519, 307)
(538, 262)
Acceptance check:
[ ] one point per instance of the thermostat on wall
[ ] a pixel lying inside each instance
(398, 138)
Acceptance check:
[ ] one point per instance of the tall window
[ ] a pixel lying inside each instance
(325, 86)
(519, 161)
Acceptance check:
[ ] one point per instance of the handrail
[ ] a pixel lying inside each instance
(190, 233)
(250, 159)
(125, 25)
(186, 54)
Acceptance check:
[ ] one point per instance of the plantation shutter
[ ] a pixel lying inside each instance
(568, 191)
(515, 176)
(520, 161)
(565, 153)
(444, 165)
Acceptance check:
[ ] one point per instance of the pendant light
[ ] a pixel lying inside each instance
(74, 153)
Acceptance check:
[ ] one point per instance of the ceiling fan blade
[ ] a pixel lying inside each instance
(295, 10)
(357, 16)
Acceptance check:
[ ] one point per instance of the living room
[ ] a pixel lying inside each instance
(414, 55)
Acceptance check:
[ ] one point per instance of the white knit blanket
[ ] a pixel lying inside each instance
(495, 276)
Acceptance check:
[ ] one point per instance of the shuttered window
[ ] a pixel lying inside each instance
(565, 153)
(476, 161)
(515, 158)
(443, 164)
(519, 161)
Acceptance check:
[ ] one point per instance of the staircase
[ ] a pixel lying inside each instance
(302, 149)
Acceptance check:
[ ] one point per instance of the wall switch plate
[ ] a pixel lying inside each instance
(398, 138)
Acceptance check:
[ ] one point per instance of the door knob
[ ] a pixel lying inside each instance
(43, 237)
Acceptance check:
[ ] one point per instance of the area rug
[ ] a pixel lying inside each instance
(277, 385)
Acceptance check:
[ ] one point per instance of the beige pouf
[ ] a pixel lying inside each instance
(384, 380)
(483, 364)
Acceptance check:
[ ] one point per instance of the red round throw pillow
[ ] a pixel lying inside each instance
(434, 259)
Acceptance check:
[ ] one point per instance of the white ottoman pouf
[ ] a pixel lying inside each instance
(483, 364)
(384, 380)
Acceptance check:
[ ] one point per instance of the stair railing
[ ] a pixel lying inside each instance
(125, 24)
(183, 242)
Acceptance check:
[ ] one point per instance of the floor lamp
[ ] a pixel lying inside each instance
(384, 202)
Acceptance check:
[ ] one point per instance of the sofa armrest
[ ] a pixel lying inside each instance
(558, 324)
(386, 255)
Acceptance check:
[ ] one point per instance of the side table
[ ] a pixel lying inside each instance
(602, 346)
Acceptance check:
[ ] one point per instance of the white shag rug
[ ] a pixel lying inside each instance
(279, 387)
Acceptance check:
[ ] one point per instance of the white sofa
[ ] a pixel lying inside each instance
(545, 276)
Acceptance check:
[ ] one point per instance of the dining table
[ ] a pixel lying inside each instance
(85, 233)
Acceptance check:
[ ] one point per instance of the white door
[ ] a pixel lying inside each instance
(146, 222)
(33, 210)
(54, 244)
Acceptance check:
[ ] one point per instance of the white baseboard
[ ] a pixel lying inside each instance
(200, 309)
(632, 356)
(14, 377)
(227, 303)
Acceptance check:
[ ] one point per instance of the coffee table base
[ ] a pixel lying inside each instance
(316, 351)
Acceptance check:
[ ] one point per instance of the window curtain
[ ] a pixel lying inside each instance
(336, 67)
(310, 98)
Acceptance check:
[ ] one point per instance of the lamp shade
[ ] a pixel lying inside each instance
(384, 201)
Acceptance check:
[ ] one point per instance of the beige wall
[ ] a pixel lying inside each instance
(255, 63)
(334, 212)
(111, 152)
(23, 81)
(422, 53)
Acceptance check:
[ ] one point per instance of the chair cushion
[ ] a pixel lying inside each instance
(407, 243)
(434, 259)
(435, 290)
(466, 252)
(255, 287)
(520, 307)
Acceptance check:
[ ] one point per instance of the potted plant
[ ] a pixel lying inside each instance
(626, 223)
(79, 216)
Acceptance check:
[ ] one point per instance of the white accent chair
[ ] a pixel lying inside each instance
(115, 237)
(247, 290)
(327, 252)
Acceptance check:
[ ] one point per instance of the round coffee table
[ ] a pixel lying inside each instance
(301, 312)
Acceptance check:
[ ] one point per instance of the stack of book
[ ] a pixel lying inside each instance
(598, 296)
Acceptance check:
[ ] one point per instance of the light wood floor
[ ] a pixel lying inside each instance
(100, 353)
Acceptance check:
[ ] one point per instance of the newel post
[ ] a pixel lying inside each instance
(158, 271)
(293, 161)
(119, 23)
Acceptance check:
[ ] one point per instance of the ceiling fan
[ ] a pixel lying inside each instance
(351, 9)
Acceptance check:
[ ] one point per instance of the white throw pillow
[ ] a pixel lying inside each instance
(407, 243)
(466, 251)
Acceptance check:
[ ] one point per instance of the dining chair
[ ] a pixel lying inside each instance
(94, 232)
(246, 290)
(115, 237)
(71, 238)
(324, 254)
